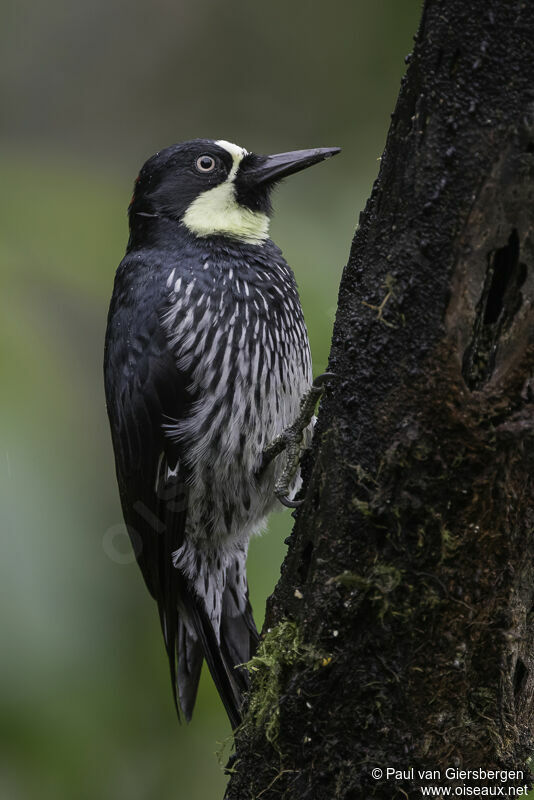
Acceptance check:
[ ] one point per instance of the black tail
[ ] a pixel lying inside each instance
(197, 640)
(190, 658)
(190, 636)
(239, 637)
(221, 668)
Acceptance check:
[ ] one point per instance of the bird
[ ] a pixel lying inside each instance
(206, 362)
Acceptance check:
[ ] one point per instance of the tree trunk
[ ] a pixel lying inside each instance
(401, 632)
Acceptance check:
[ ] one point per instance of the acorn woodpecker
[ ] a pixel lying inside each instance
(206, 361)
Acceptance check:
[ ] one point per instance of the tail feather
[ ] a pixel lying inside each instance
(221, 671)
(190, 658)
(239, 636)
(211, 620)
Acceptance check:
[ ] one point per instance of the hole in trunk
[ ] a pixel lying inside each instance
(305, 561)
(520, 676)
(499, 302)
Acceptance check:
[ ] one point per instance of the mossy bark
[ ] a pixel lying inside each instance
(410, 572)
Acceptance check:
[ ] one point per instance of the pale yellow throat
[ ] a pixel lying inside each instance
(216, 211)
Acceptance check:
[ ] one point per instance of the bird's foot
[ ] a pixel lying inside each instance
(290, 440)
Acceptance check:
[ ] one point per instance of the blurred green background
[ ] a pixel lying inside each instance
(89, 91)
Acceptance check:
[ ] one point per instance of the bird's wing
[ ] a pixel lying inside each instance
(142, 386)
(144, 389)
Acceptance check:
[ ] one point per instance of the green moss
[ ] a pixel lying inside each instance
(377, 584)
(449, 542)
(389, 286)
(384, 577)
(282, 648)
(362, 506)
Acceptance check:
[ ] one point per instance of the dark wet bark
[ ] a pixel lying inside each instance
(410, 572)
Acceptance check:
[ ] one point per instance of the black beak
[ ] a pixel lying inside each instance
(273, 168)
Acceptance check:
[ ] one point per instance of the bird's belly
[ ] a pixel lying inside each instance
(249, 364)
(224, 439)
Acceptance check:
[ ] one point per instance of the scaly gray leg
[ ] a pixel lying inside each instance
(291, 441)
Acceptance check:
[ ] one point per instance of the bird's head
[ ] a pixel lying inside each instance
(216, 187)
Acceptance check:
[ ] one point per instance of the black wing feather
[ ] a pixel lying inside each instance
(144, 389)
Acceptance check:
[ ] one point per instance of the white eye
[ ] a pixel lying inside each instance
(205, 163)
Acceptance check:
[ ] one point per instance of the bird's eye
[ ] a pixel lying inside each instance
(205, 163)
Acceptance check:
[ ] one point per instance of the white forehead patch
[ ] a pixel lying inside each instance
(216, 211)
(237, 153)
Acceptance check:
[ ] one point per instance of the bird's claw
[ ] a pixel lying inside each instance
(291, 441)
(320, 380)
(287, 501)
